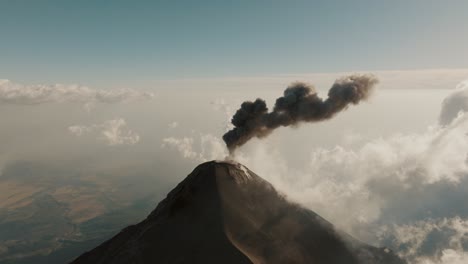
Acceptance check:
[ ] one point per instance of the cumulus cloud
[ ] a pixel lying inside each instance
(430, 241)
(199, 149)
(454, 104)
(183, 145)
(114, 132)
(15, 93)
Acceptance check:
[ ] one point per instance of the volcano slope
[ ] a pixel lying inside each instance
(224, 213)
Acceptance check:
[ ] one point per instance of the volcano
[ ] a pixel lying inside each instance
(224, 213)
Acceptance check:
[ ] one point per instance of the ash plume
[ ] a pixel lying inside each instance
(299, 103)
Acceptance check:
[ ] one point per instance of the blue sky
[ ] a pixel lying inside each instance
(107, 42)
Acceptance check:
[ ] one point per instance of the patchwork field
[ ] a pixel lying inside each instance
(48, 221)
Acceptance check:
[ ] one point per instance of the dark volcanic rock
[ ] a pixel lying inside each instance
(224, 213)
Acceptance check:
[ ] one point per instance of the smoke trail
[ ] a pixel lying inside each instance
(299, 103)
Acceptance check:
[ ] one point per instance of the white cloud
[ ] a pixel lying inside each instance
(114, 132)
(80, 130)
(455, 103)
(202, 147)
(15, 93)
(183, 145)
(221, 105)
(173, 125)
(209, 147)
(430, 241)
(449, 256)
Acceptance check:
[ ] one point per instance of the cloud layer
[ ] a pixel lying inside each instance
(15, 93)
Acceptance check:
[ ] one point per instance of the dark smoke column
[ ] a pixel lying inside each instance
(299, 103)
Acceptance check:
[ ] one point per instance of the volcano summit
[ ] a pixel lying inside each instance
(224, 213)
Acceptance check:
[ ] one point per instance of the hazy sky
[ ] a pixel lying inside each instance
(109, 43)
